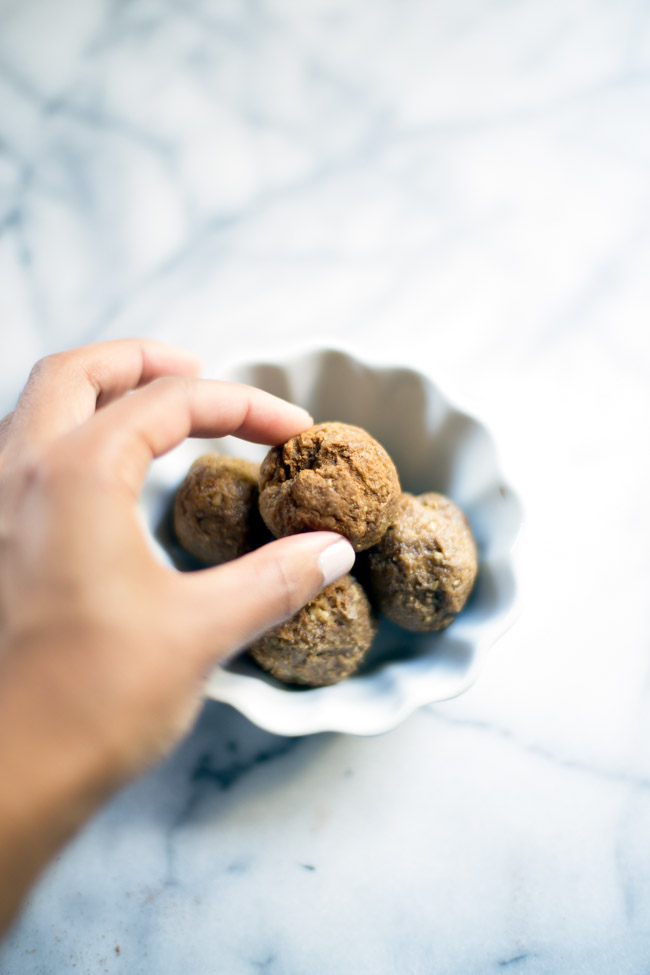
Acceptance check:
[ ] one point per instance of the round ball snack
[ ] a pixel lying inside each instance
(216, 516)
(423, 570)
(324, 642)
(332, 477)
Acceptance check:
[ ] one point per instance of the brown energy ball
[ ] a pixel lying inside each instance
(422, 571)
(324, 642)
(332, 477)
(216, 514)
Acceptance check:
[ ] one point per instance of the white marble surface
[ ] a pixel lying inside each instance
(464, 186)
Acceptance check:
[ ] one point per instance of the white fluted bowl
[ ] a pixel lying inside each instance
(435, 447)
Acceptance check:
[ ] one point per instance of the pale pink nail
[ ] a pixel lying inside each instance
(335, 560)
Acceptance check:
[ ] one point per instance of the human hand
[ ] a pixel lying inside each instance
(103, 650)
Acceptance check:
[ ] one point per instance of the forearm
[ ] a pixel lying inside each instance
(53, 778)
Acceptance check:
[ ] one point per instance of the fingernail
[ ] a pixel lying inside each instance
(335, 560)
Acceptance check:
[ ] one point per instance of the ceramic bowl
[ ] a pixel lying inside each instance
(435, 447)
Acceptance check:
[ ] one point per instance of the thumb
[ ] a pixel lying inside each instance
(232, 604)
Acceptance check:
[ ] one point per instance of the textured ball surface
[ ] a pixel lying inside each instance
(422, 571)
(332, 477)
(324, 642)
(216, 515)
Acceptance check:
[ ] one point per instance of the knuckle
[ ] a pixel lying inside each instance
(43, 468)
(72, 362)
(39, 370)
(47, 366)
(49, 467)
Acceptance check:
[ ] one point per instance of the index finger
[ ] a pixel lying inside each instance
(132, 431)
(65, 389)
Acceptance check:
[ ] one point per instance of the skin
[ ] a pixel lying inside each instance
(103, 651)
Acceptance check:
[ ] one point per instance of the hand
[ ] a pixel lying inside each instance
(103, 650)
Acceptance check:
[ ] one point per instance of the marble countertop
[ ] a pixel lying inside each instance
(462, 187)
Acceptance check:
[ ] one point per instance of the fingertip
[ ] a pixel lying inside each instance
(304, 414)
(268, 418)
(294, 421)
